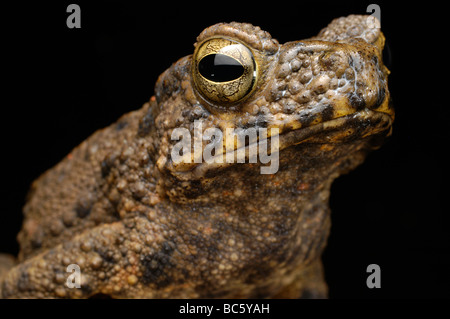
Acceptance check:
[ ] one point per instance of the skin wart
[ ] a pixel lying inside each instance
(140, 225)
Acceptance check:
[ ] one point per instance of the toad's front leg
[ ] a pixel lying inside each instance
(6, 263)
(122, 259)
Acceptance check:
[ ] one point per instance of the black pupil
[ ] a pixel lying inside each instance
(220, 68)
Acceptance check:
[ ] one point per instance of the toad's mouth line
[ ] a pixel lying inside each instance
(358, 125)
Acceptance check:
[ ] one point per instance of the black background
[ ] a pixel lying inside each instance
(60, 85)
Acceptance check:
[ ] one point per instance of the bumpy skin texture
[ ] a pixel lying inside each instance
(140, 226)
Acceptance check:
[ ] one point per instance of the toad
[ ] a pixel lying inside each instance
(135, 212)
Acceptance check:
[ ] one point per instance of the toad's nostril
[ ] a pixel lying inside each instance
(357, 101)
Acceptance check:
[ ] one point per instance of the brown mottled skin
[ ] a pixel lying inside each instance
(141, 227)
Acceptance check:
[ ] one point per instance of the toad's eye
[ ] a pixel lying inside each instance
(220, 68)
(224, 71)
